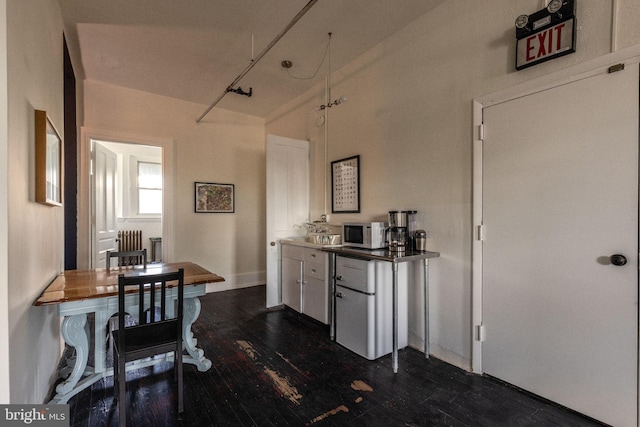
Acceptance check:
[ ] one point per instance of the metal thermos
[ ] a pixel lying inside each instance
(420, 239)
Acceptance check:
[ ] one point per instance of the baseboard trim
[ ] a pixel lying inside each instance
(238, 281)
(450, 357)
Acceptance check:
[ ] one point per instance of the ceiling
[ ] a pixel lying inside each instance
(194, 49)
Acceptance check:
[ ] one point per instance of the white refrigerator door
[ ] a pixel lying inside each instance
(356, 274)
(355, 322)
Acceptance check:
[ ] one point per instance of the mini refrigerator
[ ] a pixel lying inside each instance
(364, 306)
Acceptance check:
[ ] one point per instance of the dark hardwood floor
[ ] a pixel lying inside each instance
(278, 368)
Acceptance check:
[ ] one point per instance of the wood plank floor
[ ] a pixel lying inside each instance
(277, 368)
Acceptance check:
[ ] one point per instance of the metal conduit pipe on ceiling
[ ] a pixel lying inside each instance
(259, 57)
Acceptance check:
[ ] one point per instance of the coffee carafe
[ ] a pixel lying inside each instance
(401, 229)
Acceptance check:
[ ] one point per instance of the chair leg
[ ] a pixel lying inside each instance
(178, 360)
(122, 393)
(116, 383)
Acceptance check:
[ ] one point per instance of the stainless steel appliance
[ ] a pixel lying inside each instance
(364, 306)
(366, 235)
(400, 234)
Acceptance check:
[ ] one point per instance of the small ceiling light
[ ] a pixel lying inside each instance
(554, 6)
(286, 64)
(522, 21)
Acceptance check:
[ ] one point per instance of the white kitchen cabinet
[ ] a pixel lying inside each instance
(291, 283)
(305, 284)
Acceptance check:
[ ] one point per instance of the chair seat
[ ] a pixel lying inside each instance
(148, 340)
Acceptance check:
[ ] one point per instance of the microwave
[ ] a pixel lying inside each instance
(367, 235)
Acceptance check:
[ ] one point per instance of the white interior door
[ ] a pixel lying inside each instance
(560, 196)
(105, 175)
(287, 202)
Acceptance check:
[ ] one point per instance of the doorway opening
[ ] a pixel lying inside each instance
(127, 199)
(114, 215)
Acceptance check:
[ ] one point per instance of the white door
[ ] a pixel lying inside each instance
(105, 174)
(287, 202)
(560, 197)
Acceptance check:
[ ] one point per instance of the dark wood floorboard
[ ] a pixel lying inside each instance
(274, 367)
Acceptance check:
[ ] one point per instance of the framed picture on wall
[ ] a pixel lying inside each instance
(345, 185)
(48, 161)
(214, 198)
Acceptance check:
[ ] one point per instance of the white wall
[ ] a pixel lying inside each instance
(225, 148)
(409, 116)
(34, 81)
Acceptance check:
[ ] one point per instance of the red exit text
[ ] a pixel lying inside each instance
(546, 44)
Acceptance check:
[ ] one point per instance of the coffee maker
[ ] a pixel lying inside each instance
(400, 233)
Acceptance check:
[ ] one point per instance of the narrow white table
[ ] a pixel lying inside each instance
(77, 293)
(394, 258)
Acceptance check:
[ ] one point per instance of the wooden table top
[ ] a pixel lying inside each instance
(78, 285)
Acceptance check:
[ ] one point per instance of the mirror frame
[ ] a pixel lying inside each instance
(48, 161)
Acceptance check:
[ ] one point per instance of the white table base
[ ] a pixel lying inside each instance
(76, 333)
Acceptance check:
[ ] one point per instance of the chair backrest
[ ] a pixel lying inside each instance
(151, 291)
(128, 259)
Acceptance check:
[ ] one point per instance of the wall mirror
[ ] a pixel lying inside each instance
(48, 161)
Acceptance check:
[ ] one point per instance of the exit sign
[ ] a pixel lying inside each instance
(546, 35)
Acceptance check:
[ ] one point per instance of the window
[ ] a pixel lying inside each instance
(149, 188)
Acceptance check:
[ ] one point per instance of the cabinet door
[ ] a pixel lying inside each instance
(291, 283)
(293, 252)
(315, 299)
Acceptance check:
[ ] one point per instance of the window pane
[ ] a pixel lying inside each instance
(149, 175)
(149, 201)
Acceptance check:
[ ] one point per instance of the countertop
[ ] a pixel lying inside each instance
(381, 254)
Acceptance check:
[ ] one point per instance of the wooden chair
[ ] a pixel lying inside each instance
(154, 334)
(128, 259)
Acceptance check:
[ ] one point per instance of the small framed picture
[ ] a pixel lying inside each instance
(345, 185)
(214, 198)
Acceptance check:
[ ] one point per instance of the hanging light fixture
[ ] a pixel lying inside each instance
(332, 103)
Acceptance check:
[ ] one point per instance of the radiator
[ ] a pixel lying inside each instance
(130, 240)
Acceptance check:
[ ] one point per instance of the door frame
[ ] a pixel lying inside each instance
(85, 190)
(578, 72)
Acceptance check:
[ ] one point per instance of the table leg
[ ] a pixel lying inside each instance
(394, 355)
(100, 335)
(75, 332)
(196, 355)
(426, 308)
